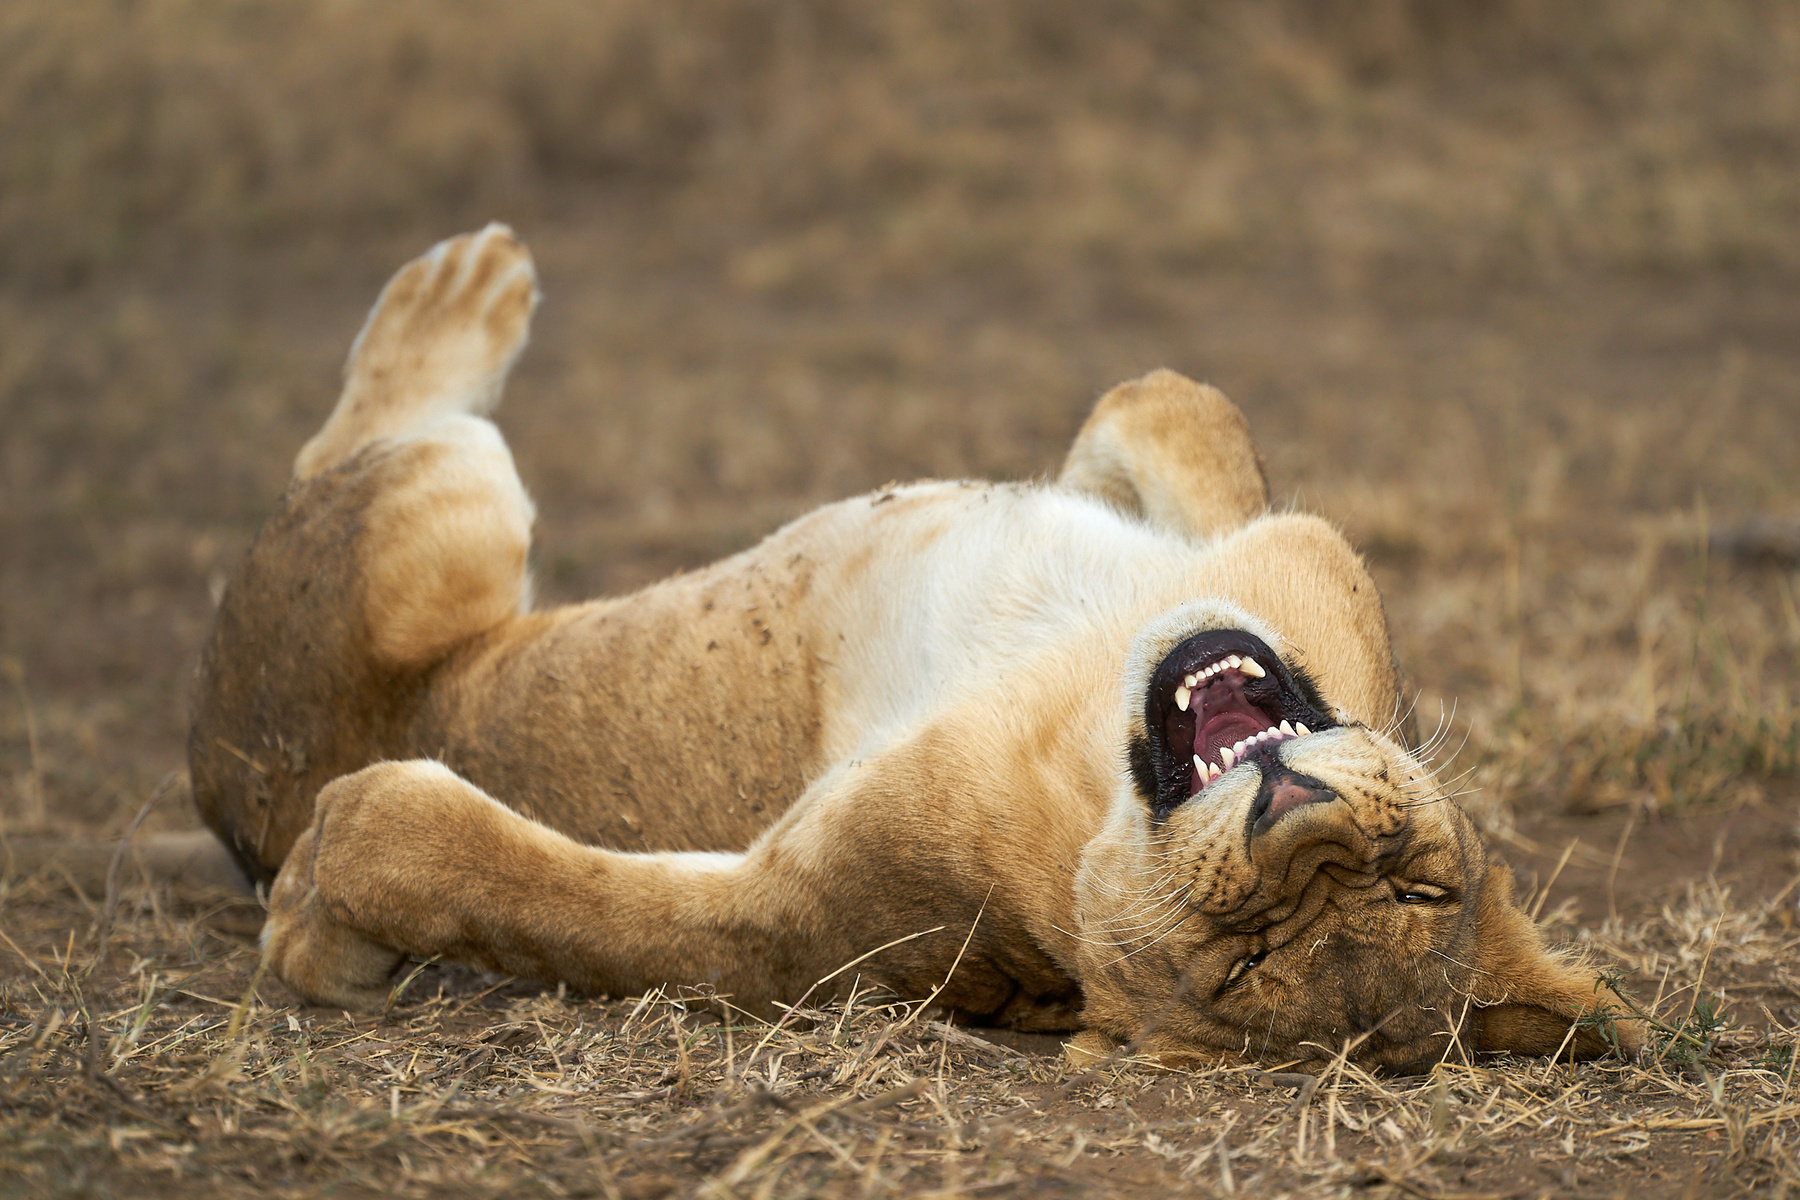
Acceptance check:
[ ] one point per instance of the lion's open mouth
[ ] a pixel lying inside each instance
(1218, 699)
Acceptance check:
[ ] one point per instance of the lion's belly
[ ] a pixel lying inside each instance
(685, 717)
(690, 715)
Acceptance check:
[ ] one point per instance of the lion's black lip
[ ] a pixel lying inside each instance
(1283, 693)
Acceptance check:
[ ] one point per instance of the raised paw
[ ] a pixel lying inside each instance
(1173, 451)
(441, 338)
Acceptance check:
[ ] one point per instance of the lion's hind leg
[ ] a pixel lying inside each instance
(1173, 451)
(440, 340)
(404, 535)
(445, 524)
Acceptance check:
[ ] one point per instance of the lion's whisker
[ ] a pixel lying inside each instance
(1176, 924)
(1115, 942)
(1150, 914)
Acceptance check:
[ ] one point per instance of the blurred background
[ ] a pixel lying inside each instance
(1508, 288)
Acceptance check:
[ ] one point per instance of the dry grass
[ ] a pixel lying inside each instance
(179, 1068)
(842, 145)
(1506, 288)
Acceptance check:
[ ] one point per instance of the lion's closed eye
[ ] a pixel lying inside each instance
(1242, 967)
(1422, 893)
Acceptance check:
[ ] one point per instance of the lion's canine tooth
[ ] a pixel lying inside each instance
(1228, 757)
(1287, 729)
(1200, 767)
(1249, 667)
(1300, 730)
(1181, 698)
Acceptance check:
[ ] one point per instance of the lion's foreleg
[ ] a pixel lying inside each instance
(408, 858)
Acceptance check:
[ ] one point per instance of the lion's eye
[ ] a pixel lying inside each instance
(1419, 893)
(1243, 966)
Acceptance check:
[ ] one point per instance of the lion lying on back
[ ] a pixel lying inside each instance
(1122, 735)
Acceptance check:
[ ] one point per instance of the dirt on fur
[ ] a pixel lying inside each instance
(1506, 289)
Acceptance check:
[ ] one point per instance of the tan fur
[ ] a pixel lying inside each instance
(908, 717)
(1137, 450)
(439, 341)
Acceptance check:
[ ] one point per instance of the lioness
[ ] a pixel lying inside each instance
(1107, 754)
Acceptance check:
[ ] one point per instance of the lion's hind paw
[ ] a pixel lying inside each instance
(441, 338)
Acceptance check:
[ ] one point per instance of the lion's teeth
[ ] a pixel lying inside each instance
(1300, 730)
(1190, 681)
(1234, 661)
(1228, 757)
(1181, 698)
(1287, 729)
(1200, 767)
(1252, 669)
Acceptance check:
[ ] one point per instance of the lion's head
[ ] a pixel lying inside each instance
(1282, 882)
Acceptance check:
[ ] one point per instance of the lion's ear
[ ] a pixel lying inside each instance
(1527, 998)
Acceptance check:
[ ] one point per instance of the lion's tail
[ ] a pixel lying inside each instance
(194, 861)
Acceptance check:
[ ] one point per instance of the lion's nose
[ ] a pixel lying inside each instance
(1283, 791)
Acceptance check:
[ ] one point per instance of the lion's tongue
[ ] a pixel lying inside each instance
(1227, 730)
(1226, 717)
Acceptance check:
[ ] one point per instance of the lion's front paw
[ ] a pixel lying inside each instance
(323, 959)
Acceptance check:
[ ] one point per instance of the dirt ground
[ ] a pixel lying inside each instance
(1509, 290)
